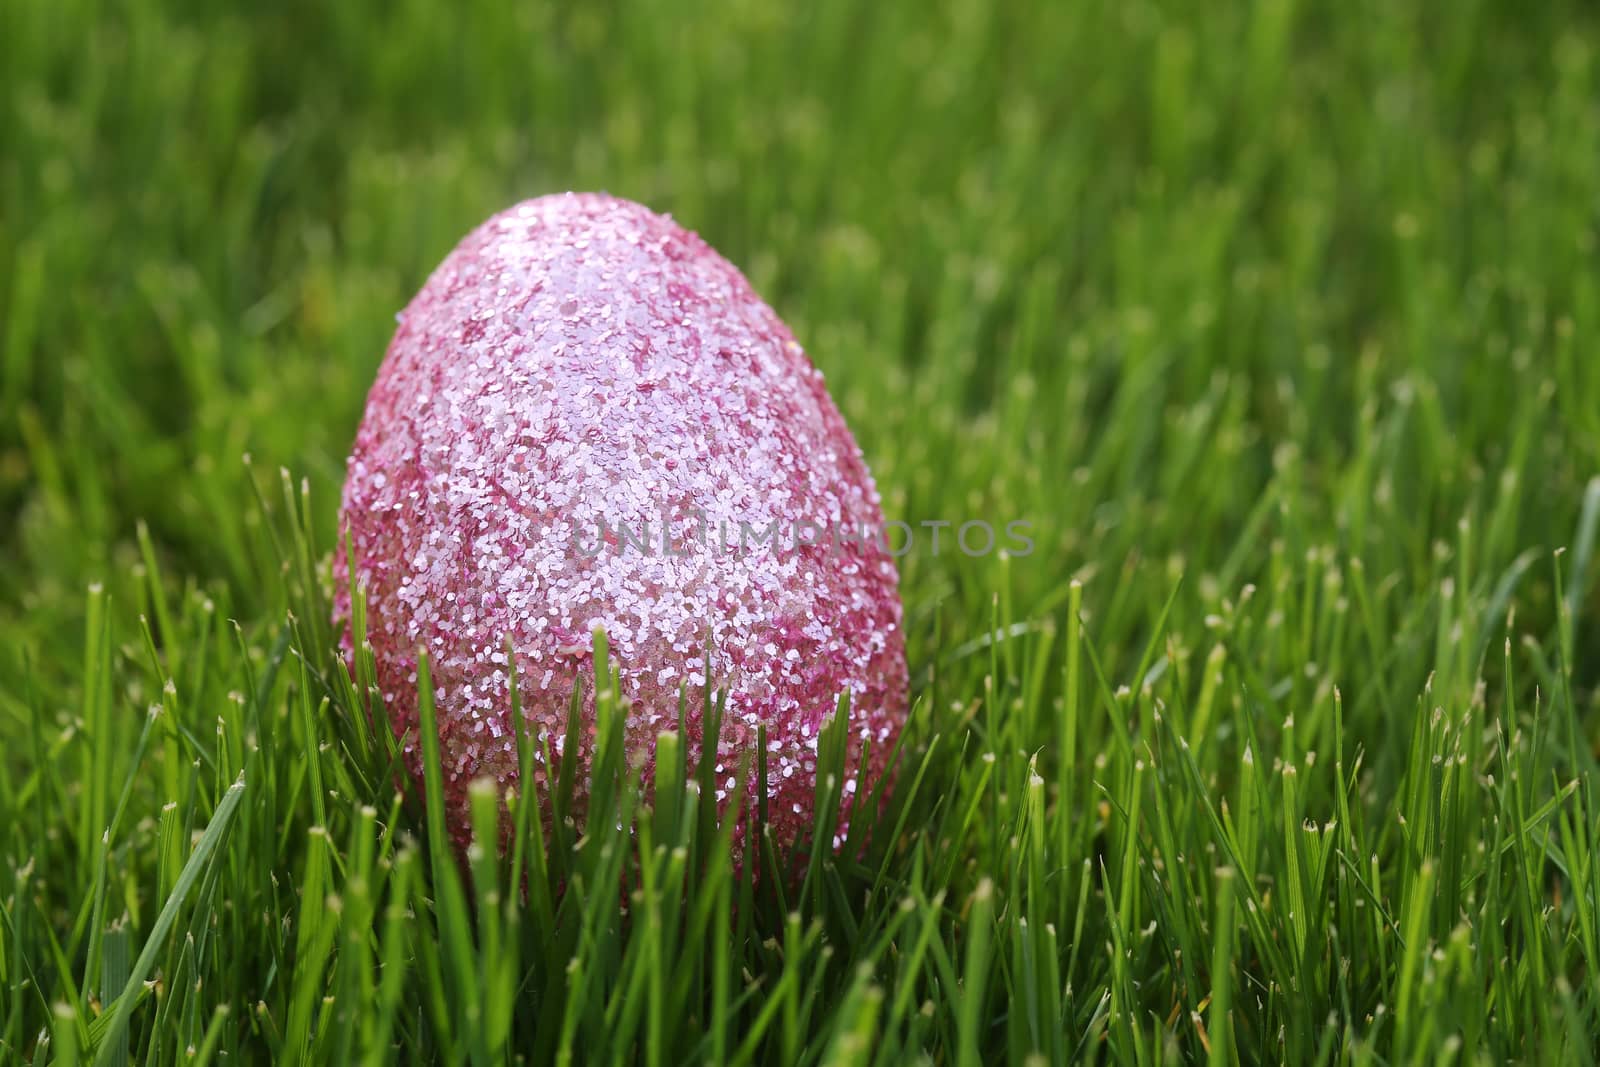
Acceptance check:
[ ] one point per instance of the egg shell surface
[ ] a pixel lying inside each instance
(587, 419)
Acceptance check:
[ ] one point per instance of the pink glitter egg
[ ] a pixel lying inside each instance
(587, 419)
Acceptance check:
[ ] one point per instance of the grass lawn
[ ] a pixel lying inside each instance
(1275, 320)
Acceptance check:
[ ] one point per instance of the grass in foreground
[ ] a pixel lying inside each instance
(1171, 890)
(1274, 321)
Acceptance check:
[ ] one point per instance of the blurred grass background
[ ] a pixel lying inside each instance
(1292, 301)
(1079, 251)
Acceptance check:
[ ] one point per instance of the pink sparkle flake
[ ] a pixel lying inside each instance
(588, 419)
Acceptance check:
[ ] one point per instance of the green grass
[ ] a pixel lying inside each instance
(1276, 320)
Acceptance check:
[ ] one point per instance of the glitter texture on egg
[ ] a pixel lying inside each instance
(588, 419)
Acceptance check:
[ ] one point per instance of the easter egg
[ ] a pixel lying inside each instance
(587, 420)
